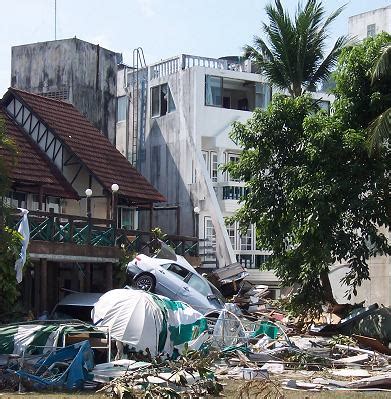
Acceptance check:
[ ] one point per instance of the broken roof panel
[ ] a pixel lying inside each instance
(94, 150)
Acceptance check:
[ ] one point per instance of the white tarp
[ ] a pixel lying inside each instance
(143, 320)
(24, 230)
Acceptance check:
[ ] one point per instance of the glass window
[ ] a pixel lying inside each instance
(162, 101)
(199, 285)
(155, 106)
(231, 234)
(213, 90)
(246, 240)
(262, 95)
(54, 203)
(371, 30)
(126, 218)
(213, 166)
(210, 233)
(16, 199)
(121, 108)
(179, 271)
(232, 158)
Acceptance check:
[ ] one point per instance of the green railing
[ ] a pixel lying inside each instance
(57, 227)
(50, 226)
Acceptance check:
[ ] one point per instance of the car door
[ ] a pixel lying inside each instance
(195, 291)
(169, 279)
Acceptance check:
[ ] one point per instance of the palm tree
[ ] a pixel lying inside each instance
(293, 56)
(380, 128)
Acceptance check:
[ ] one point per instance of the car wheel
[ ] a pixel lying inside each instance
(145, 282)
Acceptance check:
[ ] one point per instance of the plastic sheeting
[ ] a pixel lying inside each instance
(143, 320)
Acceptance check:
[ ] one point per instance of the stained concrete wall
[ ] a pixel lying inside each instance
(83, 73)
(381, 17)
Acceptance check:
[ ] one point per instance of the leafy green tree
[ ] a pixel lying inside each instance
(316, 196)
(10, 240)
(293, 55)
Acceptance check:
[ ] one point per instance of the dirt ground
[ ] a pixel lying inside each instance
(231, 391)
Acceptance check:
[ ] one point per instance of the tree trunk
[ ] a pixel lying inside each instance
(327, 289)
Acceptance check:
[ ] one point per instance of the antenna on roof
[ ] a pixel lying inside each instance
(55, 19)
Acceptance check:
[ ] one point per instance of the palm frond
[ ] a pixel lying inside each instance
(379, 131)
(383, 65)
(324, 70)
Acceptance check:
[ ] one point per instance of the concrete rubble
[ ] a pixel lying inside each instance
(255, 343)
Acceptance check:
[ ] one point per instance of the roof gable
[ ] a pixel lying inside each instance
(94, 150)
(31, 167)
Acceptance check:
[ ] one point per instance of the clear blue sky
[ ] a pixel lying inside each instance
(163, 28)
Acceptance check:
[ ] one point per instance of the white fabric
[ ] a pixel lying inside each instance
(132, 316)
(24, 230)
(24, 337)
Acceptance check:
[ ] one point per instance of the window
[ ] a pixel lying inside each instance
(235, 93)
(213, 166)
(199, 285)
(121, 108)
(213, 90)
(262, 95)
(232, 234)
(53, 203)
(16, 199)
(126, 218)
(232, 158)
(179, 271)
(371, 30)
(210, 233)
(162, 101)
(246, 240)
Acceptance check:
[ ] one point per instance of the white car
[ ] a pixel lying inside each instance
(175, 279)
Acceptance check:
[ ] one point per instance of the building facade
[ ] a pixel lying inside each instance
(73, 182)
(370, 23)
(173, 124)
(73, 70)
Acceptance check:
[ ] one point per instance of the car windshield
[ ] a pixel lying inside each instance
(64, 312)
(199, 285)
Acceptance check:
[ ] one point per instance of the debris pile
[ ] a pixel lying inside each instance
(142, 344)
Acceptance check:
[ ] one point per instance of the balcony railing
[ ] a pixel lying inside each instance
(234, 192)
(80, 230)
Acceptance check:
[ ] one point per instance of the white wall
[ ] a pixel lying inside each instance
(357, 25)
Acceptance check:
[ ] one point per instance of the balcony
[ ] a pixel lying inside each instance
(63, 237)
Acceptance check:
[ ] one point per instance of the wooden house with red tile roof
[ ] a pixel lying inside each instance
(73, 237)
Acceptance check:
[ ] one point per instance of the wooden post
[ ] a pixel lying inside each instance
(37, 287)
(87, 283)
(44, 285)
(109, 276)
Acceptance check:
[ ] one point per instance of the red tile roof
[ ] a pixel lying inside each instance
(32, 169)
(96, 152)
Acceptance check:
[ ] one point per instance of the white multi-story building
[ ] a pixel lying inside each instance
(370, 23)
(174, 120)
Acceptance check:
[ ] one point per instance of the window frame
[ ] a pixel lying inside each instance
(157, 91)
